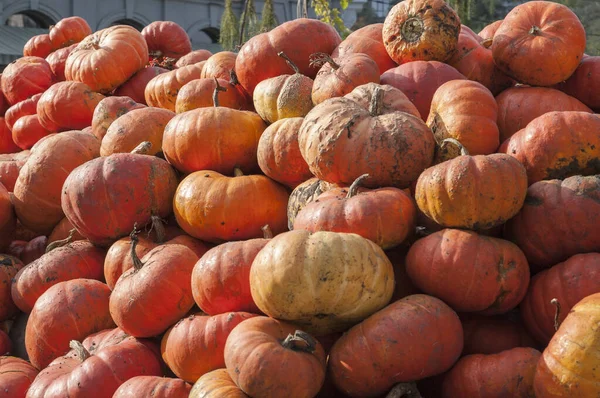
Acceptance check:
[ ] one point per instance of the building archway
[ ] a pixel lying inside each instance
(212, 33)
(129, 22)
(29, 19)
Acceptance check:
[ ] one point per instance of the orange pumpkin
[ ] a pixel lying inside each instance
(489, 31)
(135, 87)
(110, 109)
(7, 145)
(219, 65)
(193, 57)
(57, 61)
(199, 94)
(392, 100)
(166, 39)
(155, 386)
(366, 40)
(216, 384)
(582, 84)
(26, 77)
(23, 108)
(64, 230)
(16, 375)
(304, 194)
(27, 131)
(69, 31)
(162, 90)
(10, 165)
(9, 267)
(494, 334)
(38, 46)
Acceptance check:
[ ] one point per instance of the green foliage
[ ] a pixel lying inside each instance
(331, 16)
(269, 19)
(229, 28)
(249, 24)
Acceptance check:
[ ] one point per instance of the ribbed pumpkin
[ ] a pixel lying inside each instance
(135, 87)
(23, 108)
(380, 138)
(216, 384)
(110, 109)
(76, 260)
(582, 84)
(166, 39)
(107, 58)
(69, 31)
(8, 221)
(7, 145)
(489, 31)
(9, 267)
(557, 145)
(16, 375)
(4, 105)
(304, 194)
(127, 176)
(138, 125)
(26, 77)
(199, 93)
(474, 192)
(67, 311)
(154, 386)
(10, 166)
(366, 40)
(269, 358)
(97, 366)
(194, 346)
(329, 264)
(64, 232)
(67, 106)
(518, 106)
(567, 367)
(28, 251)
(490, 275)
(392, 100)
(371, 357)
(421, 30)
(259, 199)
(386, 216)
(193, 57)
(466, 111)
(506, 374)
(37, 194)
(38, 46)
(162, 90)
(27, 131)
(219, 65)
(58, 60)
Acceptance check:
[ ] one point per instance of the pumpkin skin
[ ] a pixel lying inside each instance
(67, 311)
(5, 343)
(27, 131)
(473, 192)
(8, 221)
(541, 33)
(361, 366)
(421, 30)
(199, 94)
(26, 77)
(4, 105)
(127, 177)
(298, 368)
(491, 275)
(138, 125)
(57, 61)
(518, 106)
(385, 216)
(216, 384)
(135, 87)
(257, 60)
(16, 375)
(107, 58)
(193, 57)
(170, 267)
(420, 80)
(67, 106)
(381, 138)
(581, 84)
(489, 31)
(279, 279)
(264, 202)
(23, 108)
(466, 111)
(219, 65)
(69, 31)
(10, 165)
(7, 145)
(494, 334)
(63, 230)
(568, 282)
(115, 358)
(166, 39)
(72, 261)
(9, 267)
(110, 109)
(162, 90)
(567, 366)
(557, 145)
(155, 386)
(37, 193)
(38, 46)
(366, 40)
(234, 134)
(195, 345)
(304, 194)
(30, 251)
(279, 154)
(392, 100)
(509, 373)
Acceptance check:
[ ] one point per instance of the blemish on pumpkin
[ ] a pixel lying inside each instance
(533, 201)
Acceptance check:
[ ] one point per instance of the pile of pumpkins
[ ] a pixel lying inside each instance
(411, 211)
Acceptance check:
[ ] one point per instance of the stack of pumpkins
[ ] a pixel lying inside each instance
(415, 207)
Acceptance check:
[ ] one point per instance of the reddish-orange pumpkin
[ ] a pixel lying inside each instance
(489, 31)
(69, 31)
(9, 267)
(110, 109)
(67, 106)
(107, 360)
(219, 65)
(418, 327)
(108, 58)
(5, 344)
(57, 61)
(199, 94)
(30, 251)
(7, 145)
(494, 334)
(299, 38)
(540, 33)
(166, 39)
(135, 87)
(16, 375)
(26, 77)
(216, 384)
(8, 221)
(392, 100)
(38, 46)
(23, 108)
(161, 91)
(67, 311)
(10, 166)
(27, 131)
(153, 386)
(195, 345)
(366, 40)
(63, 230)
(4, 105)
(419, 80)
(582, 84)
(193, 57)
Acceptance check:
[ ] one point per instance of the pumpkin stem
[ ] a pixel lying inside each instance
(448, 149)
(487, 43)
(237, 172)
(137, 263)
(535, 30)
(376, 100)
(60, 243)
(317, 60)
(267, 232)
(556, 303)
(290, 63)
(404, 390)
(353, 190)
(233, 79)
(143, 148)
(82, 353)
(216, 92)
(300, 341)
(158, 225)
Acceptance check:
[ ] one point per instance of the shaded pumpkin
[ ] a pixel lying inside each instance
(494, 334)
(366, 40)
(38, 46)
(166, 39)
(69, 31)
(199, 94)
(304, 194)
(7, 145)
(9, 267)
(540, 33)
(26, 77)
(16, 375)
(489, 31)
(17, 335)
(4, 105)
(8, 220)
(135, 87)
(63, 230)
(404, 286)
(193, 57)
(216, 384)
(27, 131)
(5, 343)
(110, 109)
(10, 165)
(359, 366)
(28, 251)
(162, 90)
(23, 108)
(582, 85)
(557, 145)
(57, 61)
(155, 386)
(194, 346)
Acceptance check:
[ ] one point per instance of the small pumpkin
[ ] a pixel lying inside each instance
(193, 57)
(219, 65)
(64, 232)
(366, 40)
(10, 166)
(16, 375)
(135, 87)
(155, 386)
(28, 251)
(166, 39)
(57, 61)
(4, 105)
(489, 31)
(27, 131)
(162, 90)
(199, 94)
(38, 46)
(304, 194)
(216, 384)
(9, 267)
(26, 77)
(69, 31)
(110, 109)
(23, 108)
(582, 84)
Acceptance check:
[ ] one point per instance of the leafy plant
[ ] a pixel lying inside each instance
(331, 16)
(229, 28)
(269, 19)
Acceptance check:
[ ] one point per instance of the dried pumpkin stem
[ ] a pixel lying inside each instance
(267, 232)
(404, 390)
(60, 243)
(137, 263)
(300, 341)
(487, 43)
(218, 88)
(233, 79)
(82, 353)
(290, 63)
(455, 142)
(158, 224)
(556, 303)
(376, 100)
(237, 172)
(317, 60)
(535, 30)
(353, 190)
(142, 149)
